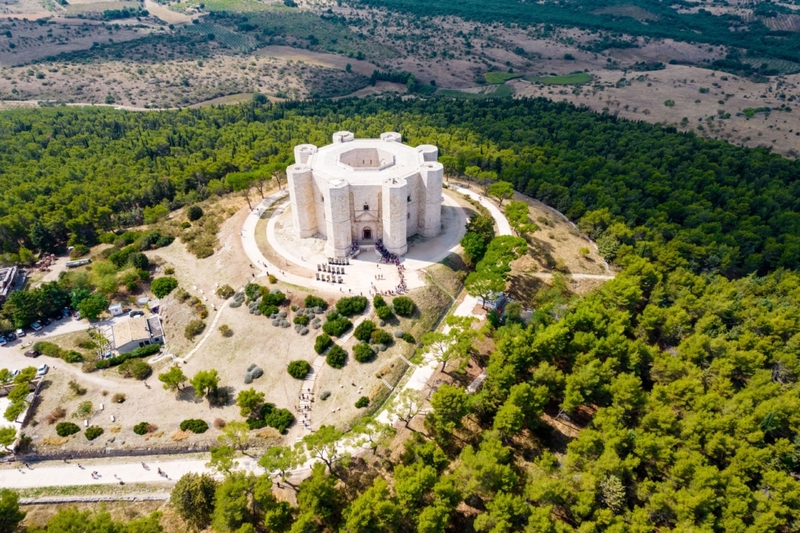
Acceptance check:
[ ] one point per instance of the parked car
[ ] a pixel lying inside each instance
(32, 353)
(10, 336)
(42, 370)
(46, 321)
(14, 373)
(36, 326)
(3, 340)
(65, 312)
(135, 312)
(20, 333)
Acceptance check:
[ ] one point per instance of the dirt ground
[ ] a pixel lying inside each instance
(643, 95)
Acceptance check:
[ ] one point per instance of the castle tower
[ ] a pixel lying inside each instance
(394, 195)
(301, 187)
(337, 218)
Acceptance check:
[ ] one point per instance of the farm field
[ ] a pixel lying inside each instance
(500, 77)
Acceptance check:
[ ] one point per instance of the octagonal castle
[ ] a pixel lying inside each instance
(362, 190)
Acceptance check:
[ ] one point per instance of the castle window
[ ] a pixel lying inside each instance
(366, 207)
(408, 198)
(321, 198)
(408, 216)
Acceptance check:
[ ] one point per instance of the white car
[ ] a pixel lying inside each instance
(42, 370)
(14, 373)
(36, 326)
(20, 333)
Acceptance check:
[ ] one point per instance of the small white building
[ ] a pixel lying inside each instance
(134, 333)
(115, 309)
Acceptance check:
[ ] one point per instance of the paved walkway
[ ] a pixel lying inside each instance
(503, 227)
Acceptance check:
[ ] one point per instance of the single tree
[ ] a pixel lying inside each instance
(92, 306)
(484, 285)
(501, 190)
(406, 406)
(222, 459)
(241, 182)
(205, 383)
(249, 402)
(322, 445)
(281, 460)
(235, 435)
(193, 498)
(173, 379)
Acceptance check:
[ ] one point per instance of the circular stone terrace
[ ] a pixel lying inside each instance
(295, 260)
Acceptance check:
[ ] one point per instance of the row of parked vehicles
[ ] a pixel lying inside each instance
(36, 326)
(41, 371)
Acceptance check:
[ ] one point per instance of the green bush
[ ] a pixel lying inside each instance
(378, 301)
(325, 395)
(337, 327)
(194, 328)
(362, 352)
(139, 260)
(92, 432)
(364, 330)
(135, 368)
(225, 292)
(302, 320)
(384, 312)
(351, 305)
(142, 428)
(337, 356)
(271, 416)
(362, 402)
(299, 369)
(404, 306)
(380, 336)
(322, 342)
(315, 301)
(195, 425)
(47, 348)
(163, 286)
(194, 212)
(65, 429)
(409, 338)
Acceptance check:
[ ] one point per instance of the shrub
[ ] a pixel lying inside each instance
(84, 409)
(351, 305)
(299, 369)
(384, 313)
(118, 398)
(271, 416)
(169, 271)
(195, 425)
(337, 356)
(378, 301)
(226, 330)
(72, 357)
(92, 432)
(337, 327)
(194, 212)
(362, 402)
(56, 414)
(181, 295)
(135, 368)
(225, 292)
(380, 336)
(302, 320)
(77, 388)
(163, 286)
(142, 428)
(315, 301)
(325, 395)
(362, 352)
(144, 351)
(139, 260)
(364, 330)
(404, 306)
(65, 429)
(272, 279)
(219, 423)
(322, 342)
(194, 328)
(274, 297)
(409, 338)
(268, 310)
